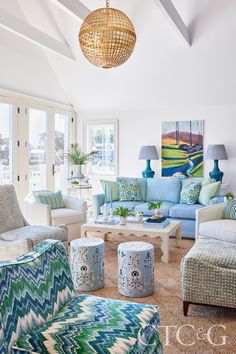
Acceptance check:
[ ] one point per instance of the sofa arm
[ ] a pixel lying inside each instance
(98, 201)
(75, 204)
(213, 212)
(217, 200)
(37, 213)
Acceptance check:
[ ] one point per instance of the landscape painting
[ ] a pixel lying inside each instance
(182, 148)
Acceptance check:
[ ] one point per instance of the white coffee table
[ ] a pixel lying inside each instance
(137, 230)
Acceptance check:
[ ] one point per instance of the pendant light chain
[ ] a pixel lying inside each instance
(107, 3)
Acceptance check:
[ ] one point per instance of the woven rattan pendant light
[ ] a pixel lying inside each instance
(107, 37)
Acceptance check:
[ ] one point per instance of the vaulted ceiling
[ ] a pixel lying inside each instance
(163, 70)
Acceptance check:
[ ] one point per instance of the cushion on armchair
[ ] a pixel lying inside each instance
(230, 210)
(54, 200)
(89, 324)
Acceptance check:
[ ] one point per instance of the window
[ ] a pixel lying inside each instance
(37, 149)
(5, 143)
(34, 135)
(102, 136)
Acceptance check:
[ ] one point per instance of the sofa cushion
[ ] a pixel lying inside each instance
(144, 208)
(89, 324)
(66, 216)
(164, 189)
(190, 193)
(35, 233)
(110, 187)
(184, 211)
(129, 190)
(208, 192)
(142, 186)
(129, 205)
(224, 230)
(10, 214)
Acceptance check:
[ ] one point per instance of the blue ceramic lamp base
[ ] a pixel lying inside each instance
(216, 174)
(148, 172)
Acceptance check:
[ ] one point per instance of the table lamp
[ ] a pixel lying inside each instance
(148, 153)
(216, 152)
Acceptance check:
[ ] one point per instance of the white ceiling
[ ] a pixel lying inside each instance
(163, 69)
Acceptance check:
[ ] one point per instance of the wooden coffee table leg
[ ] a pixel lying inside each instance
(165, 249)
(178, 237)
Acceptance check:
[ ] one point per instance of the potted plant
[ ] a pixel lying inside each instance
(228, 196)
(77, 157)
(156, 206)
(123, 213)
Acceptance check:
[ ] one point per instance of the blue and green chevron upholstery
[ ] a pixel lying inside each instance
(40, 312)
(90, 324)
(33, 289)
(230, 210)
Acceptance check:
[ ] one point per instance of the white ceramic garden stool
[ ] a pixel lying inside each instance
(136, 269)
(87, 263)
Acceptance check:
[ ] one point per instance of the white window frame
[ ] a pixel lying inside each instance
(113, 122)
(21, 104)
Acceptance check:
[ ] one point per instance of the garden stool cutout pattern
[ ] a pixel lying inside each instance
(87, 263)
(136, 269)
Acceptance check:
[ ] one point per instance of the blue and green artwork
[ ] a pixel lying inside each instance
(182, 148)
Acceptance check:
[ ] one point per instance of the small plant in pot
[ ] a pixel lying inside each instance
(123, 213)
(156, 206)
(139, 216)
(228, 196)
(77, 157)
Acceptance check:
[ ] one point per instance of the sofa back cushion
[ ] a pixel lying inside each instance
(10, 214)
(165, 189)
(33, 288)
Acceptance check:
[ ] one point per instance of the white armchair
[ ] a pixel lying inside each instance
(210, 223)
(73, 215)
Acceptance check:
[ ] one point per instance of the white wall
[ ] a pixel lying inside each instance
(141, 127)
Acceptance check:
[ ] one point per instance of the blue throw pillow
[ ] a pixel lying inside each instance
(129, 190)
(230, 210)
(190, 193)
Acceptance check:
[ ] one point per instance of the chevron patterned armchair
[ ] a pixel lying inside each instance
(40, 312)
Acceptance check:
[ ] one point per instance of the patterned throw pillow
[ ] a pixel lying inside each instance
(54, 200)
(129, 190)
(190, 193)
(230, 210)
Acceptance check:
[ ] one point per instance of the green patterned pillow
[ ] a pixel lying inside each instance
(54, 200)
(230, 210)
(129, 190)
(190, 193)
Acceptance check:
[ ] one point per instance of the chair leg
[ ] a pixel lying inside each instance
(185, 308)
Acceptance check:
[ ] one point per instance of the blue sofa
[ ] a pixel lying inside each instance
(167, 190)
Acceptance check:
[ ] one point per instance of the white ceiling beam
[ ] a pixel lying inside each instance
(23, 29)
(73, 7)
(173, 15)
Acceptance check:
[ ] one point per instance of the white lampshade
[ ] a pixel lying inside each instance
(148, 152)
(216, 152)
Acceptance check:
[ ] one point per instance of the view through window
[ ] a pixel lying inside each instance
(102, 137)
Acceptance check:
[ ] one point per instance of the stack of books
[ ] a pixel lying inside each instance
(158, 223)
